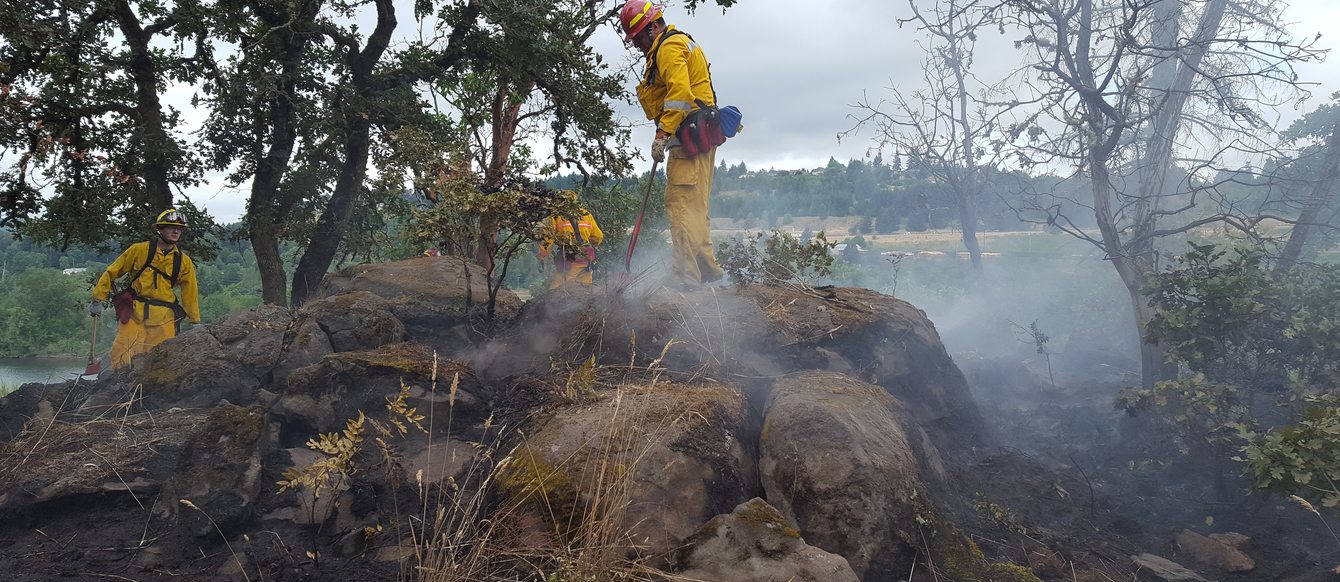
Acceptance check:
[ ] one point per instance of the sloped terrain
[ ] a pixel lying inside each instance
(382, 432)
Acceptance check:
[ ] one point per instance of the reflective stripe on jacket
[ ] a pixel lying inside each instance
(683, 76)
(562, 229)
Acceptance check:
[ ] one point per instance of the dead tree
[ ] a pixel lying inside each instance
(1144, 99)
(1323, 192)
(941, 125)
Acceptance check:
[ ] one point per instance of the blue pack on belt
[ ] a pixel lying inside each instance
(730, 120)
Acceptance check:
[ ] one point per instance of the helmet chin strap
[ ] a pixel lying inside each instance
(167, 242)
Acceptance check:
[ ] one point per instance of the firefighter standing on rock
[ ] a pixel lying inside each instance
(147, 309)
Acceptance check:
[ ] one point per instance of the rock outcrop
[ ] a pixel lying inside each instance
(754, 543)
(733, 434)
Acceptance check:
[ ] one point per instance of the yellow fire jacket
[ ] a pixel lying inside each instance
(681, 75)
(561, 229)
(153, 282)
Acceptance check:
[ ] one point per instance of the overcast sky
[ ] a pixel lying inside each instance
(796, 67)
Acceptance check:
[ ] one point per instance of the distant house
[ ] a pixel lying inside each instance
(74, 271)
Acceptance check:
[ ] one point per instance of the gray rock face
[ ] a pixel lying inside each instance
(880, 339)
(219, 471)
(320, 397)
(356, 320)
(255, 337)
(192, 370)
(673, 452)
(754, 331)
(308, 346)
(837, 461)
(427, 294)
(755, 544)
(132, 455)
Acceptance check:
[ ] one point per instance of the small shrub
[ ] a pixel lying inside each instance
(1300, 458)
(782, 260)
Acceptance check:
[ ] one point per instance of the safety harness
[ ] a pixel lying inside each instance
(178, 311)
(701, 129)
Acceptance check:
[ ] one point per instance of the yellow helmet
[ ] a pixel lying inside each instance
(170, 217)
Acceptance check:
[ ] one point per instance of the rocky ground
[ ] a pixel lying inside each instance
(389, 431)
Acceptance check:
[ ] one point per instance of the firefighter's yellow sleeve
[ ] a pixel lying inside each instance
(682, 77)
(129, 260)
(593, 235)
(673, 59)
(190, 290)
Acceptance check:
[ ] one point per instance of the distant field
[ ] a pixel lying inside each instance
(1031, 242)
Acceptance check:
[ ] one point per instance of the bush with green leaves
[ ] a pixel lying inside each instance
(463, 210)
(1222, 313)
(1258, 345)
(782, 259)
(1302, 458)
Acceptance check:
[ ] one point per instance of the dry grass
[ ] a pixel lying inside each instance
(70, 447)
(465, 532)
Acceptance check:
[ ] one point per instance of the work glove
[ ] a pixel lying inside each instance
(95, 308)
(658, 150)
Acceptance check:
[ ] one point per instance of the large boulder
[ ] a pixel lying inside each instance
(60, 460)
(192, 370)
(681, 333)
(427, 294)
(849, 466)
(660, 459)
(749, 332)
(322, 396)
(255, 337)
(877, 338)
(355, 320)
(219, 471)
(837, 459)
(754, 543)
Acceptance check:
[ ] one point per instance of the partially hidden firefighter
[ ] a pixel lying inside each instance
(573, 255)
(148, 308)
(676, 82)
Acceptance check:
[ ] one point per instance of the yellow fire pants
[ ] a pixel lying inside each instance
(570, 272)
(687, 192)
(134, 338)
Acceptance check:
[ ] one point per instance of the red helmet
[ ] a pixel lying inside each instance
(636, 15)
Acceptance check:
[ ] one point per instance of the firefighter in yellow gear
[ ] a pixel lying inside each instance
(676, 79)
(573, 256)
(151, 312)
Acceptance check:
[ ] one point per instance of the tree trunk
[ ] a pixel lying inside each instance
(506, 115)
(334, 220)
(1322, 192)
(267, 207)
(967, 212)
(967, 195)
(265, 245)
(329, 230)
(158, 148)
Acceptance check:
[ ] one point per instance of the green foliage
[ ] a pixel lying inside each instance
(1303, 457)
(1250, 335)
(1201, 412)
(39, 310)
(1223, 314)
(463, 212)
(783, 260)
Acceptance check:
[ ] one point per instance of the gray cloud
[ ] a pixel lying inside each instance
(795, 67)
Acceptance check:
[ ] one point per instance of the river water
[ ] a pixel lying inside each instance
(15, 372)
